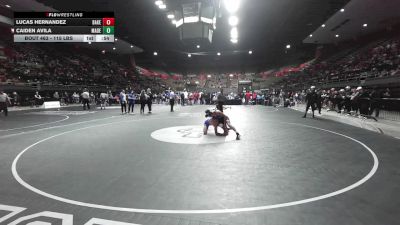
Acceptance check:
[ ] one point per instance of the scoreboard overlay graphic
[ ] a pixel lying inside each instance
(63, 27)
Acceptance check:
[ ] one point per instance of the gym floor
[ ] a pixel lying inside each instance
(159, 169)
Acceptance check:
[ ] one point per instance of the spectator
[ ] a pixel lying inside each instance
(4, 100)
(38, 99)
(56, 96)
(15, 99)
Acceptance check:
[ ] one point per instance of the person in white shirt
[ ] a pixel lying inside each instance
(122, 100)
(186, 96)
(85, 99)
(4, 100)
(103, 100)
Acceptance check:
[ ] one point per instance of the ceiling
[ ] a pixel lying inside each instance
(265, 27)
(349, 24)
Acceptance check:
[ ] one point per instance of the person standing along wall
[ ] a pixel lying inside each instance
(376, 101)
(38, 99)
(15, 97)
(4, 100)
(110, 98)
(311, 99)
(56, 96)
(363, 102)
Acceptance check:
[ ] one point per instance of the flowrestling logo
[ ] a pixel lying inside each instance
(190, 132)
(190, 135)
(11, 213)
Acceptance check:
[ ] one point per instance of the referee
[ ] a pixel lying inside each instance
(172, 99)
(221, 100)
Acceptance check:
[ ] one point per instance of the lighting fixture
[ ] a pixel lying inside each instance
(234, 33)
(233, 21)
(232, 6)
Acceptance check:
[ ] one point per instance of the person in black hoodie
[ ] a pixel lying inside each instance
(341, 100)
(221, 100)
(311, 99)
(376, 101)
(347, 100)
(149, 99)
(364, 101)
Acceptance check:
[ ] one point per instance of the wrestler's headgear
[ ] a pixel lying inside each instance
(208, 113)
